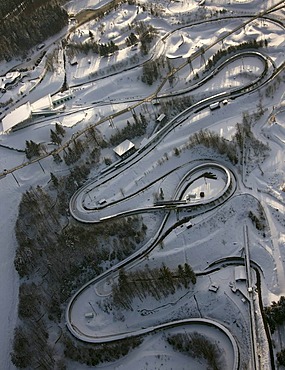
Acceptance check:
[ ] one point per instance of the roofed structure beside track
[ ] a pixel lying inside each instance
(45, 106)
(125, 149)
(19, 115)
(240, 273)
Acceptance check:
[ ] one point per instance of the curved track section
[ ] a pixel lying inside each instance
(91, 215)
(86, 214)
(203, 322)
(200, 206)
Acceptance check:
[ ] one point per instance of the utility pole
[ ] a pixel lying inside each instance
(15, 179)
(190, 64)
(111, 121)
(41, 166)
(202, 61)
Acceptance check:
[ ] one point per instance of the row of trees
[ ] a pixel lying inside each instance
(32, 149)
(153, 69)
(138, 128)
(174, 106)
(251, 44)
(132, 39)
(90, 144)
(272, 87)
(27, 24)
(93, 355)
(38, 230)
(31, 349)
(95, 47)
(157, 282)
(73, 152)
(246, 140)
(275, 314)
(7, 6)
(45, 237)
(10, 8)
(57, 135)
(258, 220)
(251, 151)
(146, 34)
(213, 140)
(198, 346)
(281, 357)
(244, 148)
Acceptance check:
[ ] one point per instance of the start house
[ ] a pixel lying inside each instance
(125, 149)
(43, 107)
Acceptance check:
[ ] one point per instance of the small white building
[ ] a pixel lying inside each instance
(240, 273)
(190, 196)
(73, 61)
(161, 117)
(215, 105)
(214, 287)
(125, 149)
(42, 104)
(41, 46)
(89, 315)
(61, 98)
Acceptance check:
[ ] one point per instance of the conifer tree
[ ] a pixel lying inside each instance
(54, 179)
(55, 138)
(59, 129)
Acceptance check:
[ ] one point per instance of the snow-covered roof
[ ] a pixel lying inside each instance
(240, 273)
(9, 78)
(42, 104)
(161, 117)
(17, 116)
(124, 147)
(214, 287)
(61, 97)
(73, 61)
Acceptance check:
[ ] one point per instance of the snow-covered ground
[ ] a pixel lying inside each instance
(103, 87)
